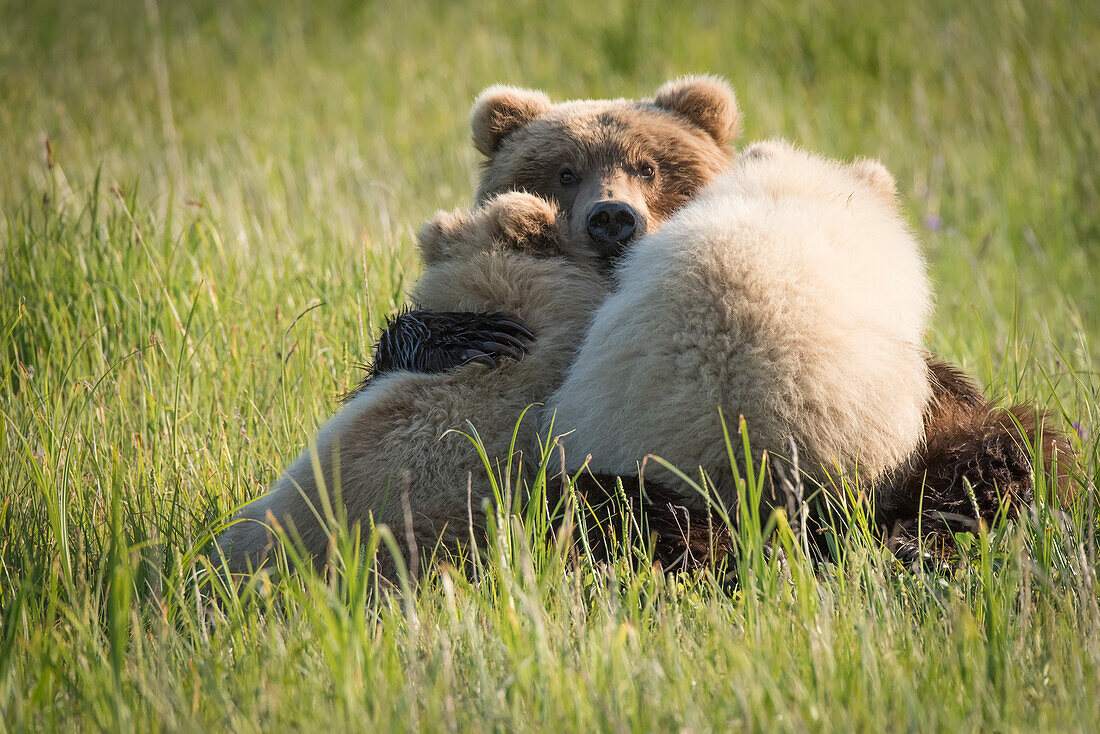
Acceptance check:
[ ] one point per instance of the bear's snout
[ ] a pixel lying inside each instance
(612, 224)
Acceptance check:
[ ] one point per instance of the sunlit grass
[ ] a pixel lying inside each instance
(194, 267)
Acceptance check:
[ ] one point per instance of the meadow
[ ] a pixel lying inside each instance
(207, 210)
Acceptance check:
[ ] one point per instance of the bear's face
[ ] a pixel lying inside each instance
(616, 168)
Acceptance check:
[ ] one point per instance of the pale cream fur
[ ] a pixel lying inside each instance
(392, 438)
(790, 291)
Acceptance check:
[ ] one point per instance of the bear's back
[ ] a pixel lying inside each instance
(764, 302)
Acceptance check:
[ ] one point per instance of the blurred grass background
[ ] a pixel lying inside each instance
(209, 207)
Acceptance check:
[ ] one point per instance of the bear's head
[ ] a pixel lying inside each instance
(615, 168)
(779, 168)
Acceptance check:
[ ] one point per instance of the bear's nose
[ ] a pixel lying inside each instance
(611, 224)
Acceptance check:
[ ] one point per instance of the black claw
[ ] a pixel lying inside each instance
(499, 349)
(516, 326)
(470, 356)
(506, 338)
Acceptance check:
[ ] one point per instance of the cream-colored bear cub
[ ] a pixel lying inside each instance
(789, 291)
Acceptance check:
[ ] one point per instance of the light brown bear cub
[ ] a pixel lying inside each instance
(598, 175)
(392, 438)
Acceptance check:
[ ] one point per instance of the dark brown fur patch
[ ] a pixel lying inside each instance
(969, 440)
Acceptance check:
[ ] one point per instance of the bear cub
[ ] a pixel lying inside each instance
(790, 292)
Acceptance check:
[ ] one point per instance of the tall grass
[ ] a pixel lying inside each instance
(207, 210)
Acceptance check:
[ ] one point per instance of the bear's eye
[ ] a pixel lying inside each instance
(567, 177)
(646, 170)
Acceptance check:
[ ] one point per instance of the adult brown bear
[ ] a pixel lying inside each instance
(599, 174)
(961, 459)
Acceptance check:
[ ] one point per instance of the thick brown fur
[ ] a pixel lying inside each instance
(968, 440)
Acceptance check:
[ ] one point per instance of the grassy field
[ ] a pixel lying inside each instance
(207, 210)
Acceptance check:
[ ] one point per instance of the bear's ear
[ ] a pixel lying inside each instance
(875, 175)
(765, 149)
(706, 101)
(500, 110)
